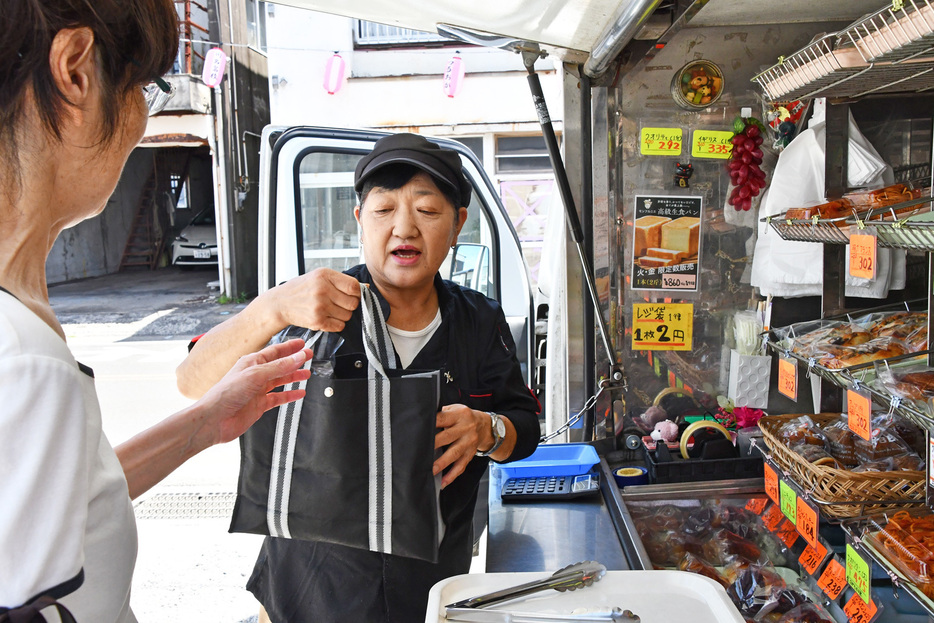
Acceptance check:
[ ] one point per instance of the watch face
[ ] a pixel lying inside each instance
(499, 427)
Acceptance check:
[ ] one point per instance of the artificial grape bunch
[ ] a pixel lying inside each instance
(747, 177)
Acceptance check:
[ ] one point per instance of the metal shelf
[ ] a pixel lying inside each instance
(890, 51)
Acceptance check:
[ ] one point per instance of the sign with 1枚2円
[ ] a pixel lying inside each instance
(662, 326)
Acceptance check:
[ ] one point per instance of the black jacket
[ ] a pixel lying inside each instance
(473, 348)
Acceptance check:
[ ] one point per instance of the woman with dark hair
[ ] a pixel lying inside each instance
(413, 203)
(74, 92)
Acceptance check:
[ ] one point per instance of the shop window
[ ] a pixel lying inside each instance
(256, 24)
(371, 34)
(521, 154)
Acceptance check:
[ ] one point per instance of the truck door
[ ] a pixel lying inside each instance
(306, 220)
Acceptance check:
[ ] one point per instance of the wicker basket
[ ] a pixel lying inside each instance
(840, 493)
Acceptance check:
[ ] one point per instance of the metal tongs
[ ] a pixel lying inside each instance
(572, 577)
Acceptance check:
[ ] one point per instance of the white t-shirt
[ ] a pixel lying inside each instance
(409, 343)
(63, 494)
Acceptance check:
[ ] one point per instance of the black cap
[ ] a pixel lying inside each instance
(444, 165)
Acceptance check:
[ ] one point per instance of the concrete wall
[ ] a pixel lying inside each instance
(94, 247)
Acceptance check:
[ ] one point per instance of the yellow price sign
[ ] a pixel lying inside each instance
(711, 144)
(857, 573)
(662, 326)
(660, 141)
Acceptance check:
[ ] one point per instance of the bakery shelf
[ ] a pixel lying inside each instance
(832, 231)
(891, 232)
(894, 35)
(860, 377)
(889, 51)
(857, 530)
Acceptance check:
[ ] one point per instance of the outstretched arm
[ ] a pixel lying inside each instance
(323, 299)
(225, 412)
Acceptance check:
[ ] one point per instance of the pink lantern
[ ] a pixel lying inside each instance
(454, 76)
(334, 74)
(215, 62)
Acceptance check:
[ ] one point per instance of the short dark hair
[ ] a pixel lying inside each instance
(395, 176)
(135, 40)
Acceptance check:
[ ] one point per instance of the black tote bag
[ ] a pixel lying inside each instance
(351, 463)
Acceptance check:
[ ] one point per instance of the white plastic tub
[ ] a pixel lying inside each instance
(656, 596)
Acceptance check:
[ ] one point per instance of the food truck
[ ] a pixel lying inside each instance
(746, 387)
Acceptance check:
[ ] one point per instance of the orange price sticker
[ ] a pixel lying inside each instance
(807, 522)
(863, 256)
(788, 377)
(756, 505)
(858, 611)
(771, 483)
(772, 517)
(833, 579)
(787, 533)
(859, 408)
(811, 558)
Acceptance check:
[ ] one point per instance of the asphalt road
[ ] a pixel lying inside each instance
(133, 330)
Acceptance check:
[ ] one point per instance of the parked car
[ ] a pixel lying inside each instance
(196, 244)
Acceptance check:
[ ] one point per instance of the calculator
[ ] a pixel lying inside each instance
(549, 488)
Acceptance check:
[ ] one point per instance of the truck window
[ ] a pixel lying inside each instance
(329, 232)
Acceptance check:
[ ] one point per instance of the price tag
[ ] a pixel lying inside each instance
(756, 505)
(789, 501)
(787, 533)
(811, 558)
(807, 522)
(859, 409)
(857, 573)
(663, 326)
(771, 482)
(863, 256)
(772, 517)
(660, 142)
(711, 144)
(833, 579)
(788, 377)
(858, 611)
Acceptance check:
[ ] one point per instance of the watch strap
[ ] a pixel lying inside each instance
(497, 437)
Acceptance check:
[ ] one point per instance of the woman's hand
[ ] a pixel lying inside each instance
(322, 300)
(223, 414)
(245, 392)
(465, 431)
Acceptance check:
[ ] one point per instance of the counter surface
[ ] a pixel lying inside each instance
(546, 536)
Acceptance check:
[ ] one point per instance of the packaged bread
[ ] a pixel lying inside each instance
(910, 327)
(841, 441)
(884, 442)
(838, 357)
(681, 234)
(839, 208)
(648, 233)
(801, 430)
(812, 338)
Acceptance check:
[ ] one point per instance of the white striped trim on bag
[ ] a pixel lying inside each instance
(283, 453)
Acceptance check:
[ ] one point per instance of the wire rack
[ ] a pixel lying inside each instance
(894, 34)
(889, 51)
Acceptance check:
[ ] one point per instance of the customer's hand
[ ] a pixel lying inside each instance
(245, 392)
(322, 300)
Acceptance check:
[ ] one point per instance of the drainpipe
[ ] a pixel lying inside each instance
(615, 37)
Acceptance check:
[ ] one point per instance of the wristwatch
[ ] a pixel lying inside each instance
(499, 433)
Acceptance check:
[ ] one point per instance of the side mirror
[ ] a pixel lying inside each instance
(471, 267)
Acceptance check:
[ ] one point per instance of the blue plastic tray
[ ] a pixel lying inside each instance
(568, 459)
